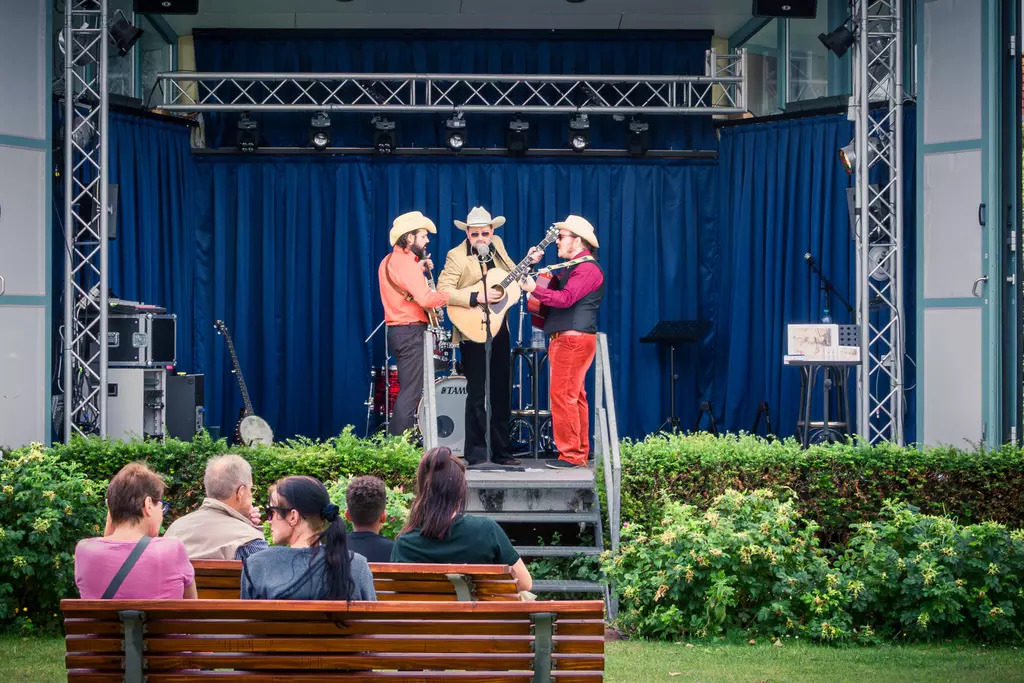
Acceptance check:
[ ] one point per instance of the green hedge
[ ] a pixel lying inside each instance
(182, 463)
(837, 486)
(751, 562)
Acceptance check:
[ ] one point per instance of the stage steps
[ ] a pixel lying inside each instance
(544, 500)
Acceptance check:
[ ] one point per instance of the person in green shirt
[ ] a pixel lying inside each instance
(440, 532)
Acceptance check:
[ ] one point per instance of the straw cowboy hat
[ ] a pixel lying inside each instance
(407, 222)
(480, 217)
(581, 227)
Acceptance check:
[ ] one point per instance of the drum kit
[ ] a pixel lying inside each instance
(450, 392)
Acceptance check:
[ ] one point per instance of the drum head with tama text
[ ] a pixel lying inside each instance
(451, 413)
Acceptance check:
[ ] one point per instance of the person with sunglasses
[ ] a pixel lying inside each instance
(227, 525)
(310, 558)
(463, 270)
(573, 301)
(130, 562)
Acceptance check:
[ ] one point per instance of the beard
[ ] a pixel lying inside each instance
(420, 252)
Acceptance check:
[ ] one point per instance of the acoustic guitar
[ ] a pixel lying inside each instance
(250, 430)
(471, 322)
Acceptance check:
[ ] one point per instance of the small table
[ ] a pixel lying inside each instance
(836, 375)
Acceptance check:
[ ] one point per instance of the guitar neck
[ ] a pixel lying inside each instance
(238, 373)
(524, 266)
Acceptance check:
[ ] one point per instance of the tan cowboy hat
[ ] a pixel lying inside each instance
(407, 222)
(478, 218)
(581, 227)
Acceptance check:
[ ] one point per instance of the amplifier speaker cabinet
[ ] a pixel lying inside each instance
(186, 406)
(793, 9)
(167, 6)
(141, 340)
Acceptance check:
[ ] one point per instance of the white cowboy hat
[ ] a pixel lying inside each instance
(408, 222)
(479, 217)
(581, 227)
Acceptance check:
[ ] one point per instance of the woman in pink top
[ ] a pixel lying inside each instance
(134, 509)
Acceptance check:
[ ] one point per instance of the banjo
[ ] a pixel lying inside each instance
(251, 430)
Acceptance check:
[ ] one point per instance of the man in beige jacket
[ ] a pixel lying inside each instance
(460, 279)
(226, 526)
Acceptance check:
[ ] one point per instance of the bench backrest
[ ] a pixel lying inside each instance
(221, 580)
(265, 641)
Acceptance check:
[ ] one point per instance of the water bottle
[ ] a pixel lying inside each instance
(537, 338)
(826, 319)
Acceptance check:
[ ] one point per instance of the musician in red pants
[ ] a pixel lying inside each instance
(572, 300)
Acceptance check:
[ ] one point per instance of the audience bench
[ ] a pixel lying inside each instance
(185, 641)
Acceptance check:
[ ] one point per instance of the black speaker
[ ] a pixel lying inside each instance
(167, 6)
(790, 9)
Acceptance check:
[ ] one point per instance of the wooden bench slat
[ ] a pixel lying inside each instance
(380, 568)
(320, 677)
(368, 643)
(323, 610)
(233, 627)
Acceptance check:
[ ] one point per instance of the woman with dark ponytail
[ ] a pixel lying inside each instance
(310, 559)
(439, 531)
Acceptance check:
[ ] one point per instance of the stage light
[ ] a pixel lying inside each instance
(516, 141)
(848, 154)
(638, 141)
(579, 135)
(384, 136)
(455, 133)
(122, 34)
(320, 131)
(248, 134)
(838, 41)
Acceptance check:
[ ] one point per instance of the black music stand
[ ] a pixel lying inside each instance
(671, 333)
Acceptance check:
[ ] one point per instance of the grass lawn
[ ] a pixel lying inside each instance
(41, 660)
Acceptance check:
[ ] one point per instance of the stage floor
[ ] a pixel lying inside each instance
(534, 477)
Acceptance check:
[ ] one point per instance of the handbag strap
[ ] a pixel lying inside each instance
(129, 563)
(404, 294)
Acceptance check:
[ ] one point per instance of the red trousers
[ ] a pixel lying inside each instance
(569, 357)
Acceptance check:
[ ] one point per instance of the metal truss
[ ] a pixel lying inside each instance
(719, 91)
(878, 74)
(85, 220)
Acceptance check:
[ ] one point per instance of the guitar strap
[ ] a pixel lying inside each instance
(559, 266)
(387, 273)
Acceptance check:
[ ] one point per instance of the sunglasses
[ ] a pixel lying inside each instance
(165, 507)
(566, 236)
(269, 511)
(481, 233)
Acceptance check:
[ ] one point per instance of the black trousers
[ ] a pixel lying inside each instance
(405, 342)
(474, 364)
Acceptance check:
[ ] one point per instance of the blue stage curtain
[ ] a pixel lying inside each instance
(782, 195)
(287, 254)
(152, 258)
(514, 52)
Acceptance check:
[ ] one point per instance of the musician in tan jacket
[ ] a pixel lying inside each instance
(464, 269)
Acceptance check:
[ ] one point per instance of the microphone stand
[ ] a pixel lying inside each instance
(828, 288)
(489, 463)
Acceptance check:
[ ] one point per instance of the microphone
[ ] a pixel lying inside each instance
(809, 259)
(482, 250)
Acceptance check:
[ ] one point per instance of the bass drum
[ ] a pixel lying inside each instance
(451, 413)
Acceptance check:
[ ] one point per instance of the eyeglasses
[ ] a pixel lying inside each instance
(269, 511)
(165, 507)
(565, 236)
(481, 233)
(252, 488)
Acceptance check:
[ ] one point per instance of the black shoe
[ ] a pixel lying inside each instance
(508, 462)
(561, 465)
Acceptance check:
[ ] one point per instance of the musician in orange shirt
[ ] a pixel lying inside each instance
(406, 296)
